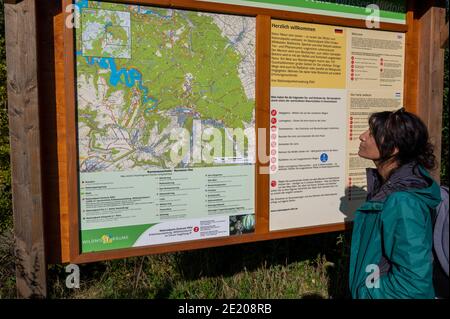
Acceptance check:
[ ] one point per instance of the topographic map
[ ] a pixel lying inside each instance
(143, 72)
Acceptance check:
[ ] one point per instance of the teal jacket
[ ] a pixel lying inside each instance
(393, 230)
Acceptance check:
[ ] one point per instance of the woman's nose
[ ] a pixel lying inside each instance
(362, 137)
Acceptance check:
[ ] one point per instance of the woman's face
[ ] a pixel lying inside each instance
(368, 147)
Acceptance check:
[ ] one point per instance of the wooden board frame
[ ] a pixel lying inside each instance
(263, 21)
(69, 220)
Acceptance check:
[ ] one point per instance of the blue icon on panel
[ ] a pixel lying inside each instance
(323, 157)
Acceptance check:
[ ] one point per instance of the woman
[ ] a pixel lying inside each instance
(391, 253)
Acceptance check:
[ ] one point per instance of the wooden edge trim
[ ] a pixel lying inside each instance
(208, 243)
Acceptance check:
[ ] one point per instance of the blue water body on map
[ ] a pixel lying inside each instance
(129, 77)
(123, 76)
(146, 10)
(81, 4)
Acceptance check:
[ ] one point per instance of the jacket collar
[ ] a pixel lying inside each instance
(406, 177)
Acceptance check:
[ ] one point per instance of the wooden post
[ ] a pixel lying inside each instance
(23, 107)
(431, 73)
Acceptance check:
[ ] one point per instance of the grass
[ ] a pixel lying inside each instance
(303, 267)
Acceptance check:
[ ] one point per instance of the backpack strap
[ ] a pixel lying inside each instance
(441, 232)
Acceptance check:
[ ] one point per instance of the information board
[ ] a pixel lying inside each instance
(325, 83)
(200, 124)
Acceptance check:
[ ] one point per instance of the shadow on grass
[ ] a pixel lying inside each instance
(230, 260)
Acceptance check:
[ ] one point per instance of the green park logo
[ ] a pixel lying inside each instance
(105, 239)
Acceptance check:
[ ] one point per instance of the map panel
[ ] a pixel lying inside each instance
(166, 125)
(145, 72)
